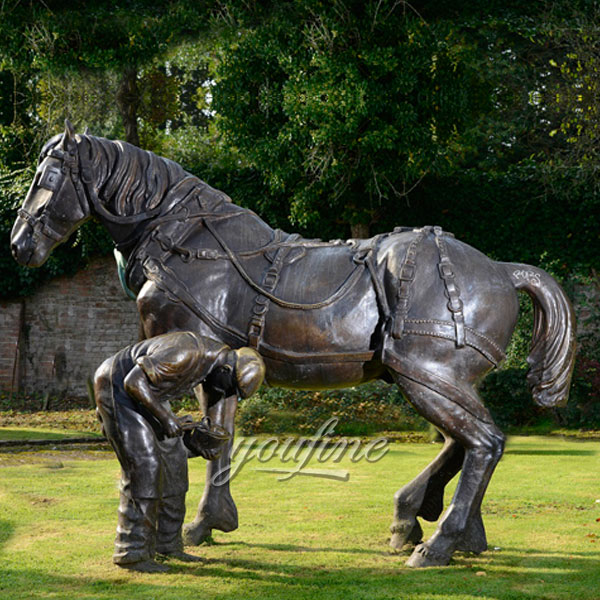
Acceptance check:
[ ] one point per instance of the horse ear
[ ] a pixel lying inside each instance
(69, 135)
(87, 131)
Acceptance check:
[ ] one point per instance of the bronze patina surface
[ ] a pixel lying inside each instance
(415, 306)
(132, 391)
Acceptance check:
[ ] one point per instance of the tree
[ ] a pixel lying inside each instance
(346, 106)
(81, 60)
(97, 36)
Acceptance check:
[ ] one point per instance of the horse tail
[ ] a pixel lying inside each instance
(552, 354)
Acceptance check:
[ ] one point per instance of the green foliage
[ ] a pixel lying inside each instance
(344, 107)
(96, 34)
(506, 396)
(361, 410)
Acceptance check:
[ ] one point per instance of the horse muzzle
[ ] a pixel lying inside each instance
(23, 247)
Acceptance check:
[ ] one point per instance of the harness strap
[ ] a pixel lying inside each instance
(46, 229)
(166, 280)
(406, 277)
(455, 304)
(341, 291)
(261, 302)
(379, 291)
(446, 330)
(463, 396)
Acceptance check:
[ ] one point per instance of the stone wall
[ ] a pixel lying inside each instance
(54, 340)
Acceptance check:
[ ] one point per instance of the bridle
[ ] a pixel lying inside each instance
(52, 178)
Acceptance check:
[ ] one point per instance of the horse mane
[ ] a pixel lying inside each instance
(130, 180)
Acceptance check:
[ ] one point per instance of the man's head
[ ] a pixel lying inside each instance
(249, 371)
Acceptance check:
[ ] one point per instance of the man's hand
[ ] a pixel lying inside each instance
(172, 427)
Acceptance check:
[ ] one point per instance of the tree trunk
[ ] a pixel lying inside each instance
(128, 100)
(359, 230)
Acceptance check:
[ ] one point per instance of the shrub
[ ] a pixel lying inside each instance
(361, 410)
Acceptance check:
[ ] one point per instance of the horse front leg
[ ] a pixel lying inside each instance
(217, 509)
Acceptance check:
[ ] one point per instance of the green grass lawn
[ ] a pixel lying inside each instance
(19, 433)
(309, 537)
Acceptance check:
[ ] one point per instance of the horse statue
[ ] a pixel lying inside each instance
(416, 307)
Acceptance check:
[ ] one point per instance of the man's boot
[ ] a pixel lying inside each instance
(135, 544)
(170, 520)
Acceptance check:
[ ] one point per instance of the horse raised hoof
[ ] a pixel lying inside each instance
(425, 557)
(405, 532)
(196, 533)
(223, 517)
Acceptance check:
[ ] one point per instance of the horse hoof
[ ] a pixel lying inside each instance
(404, 532)
(196, 533)
(425, 557)
(473, 539)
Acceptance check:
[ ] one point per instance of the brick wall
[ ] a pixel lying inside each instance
(65, 331)
(11, 318)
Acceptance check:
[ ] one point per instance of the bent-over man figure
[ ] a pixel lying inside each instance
(132, 390)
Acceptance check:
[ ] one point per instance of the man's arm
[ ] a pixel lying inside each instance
(138, 387)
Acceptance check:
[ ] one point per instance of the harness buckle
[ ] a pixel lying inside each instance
(455, 305)
(270, 279)
(407, 272)
(446, 270)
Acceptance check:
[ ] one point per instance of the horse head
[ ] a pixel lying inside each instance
(55, 205)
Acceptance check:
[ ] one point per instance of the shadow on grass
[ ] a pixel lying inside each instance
(552, 452)
(6, 532)
(514, 575)
(296, 548)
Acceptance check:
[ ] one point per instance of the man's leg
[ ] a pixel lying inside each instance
(136, 534)
(135, 444)
(172, 507)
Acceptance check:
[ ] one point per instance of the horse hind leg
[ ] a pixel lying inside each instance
(461, 526)
(474, 538)
(423, 496)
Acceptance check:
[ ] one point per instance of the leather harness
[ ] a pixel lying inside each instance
(395, 323)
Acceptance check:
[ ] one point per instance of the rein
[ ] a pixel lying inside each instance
(341, 291)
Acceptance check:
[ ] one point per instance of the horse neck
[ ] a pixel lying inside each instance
(128, 187)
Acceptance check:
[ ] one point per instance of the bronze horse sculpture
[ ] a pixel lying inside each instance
(416, 307)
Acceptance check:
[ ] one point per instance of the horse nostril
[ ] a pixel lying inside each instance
(15, 250)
